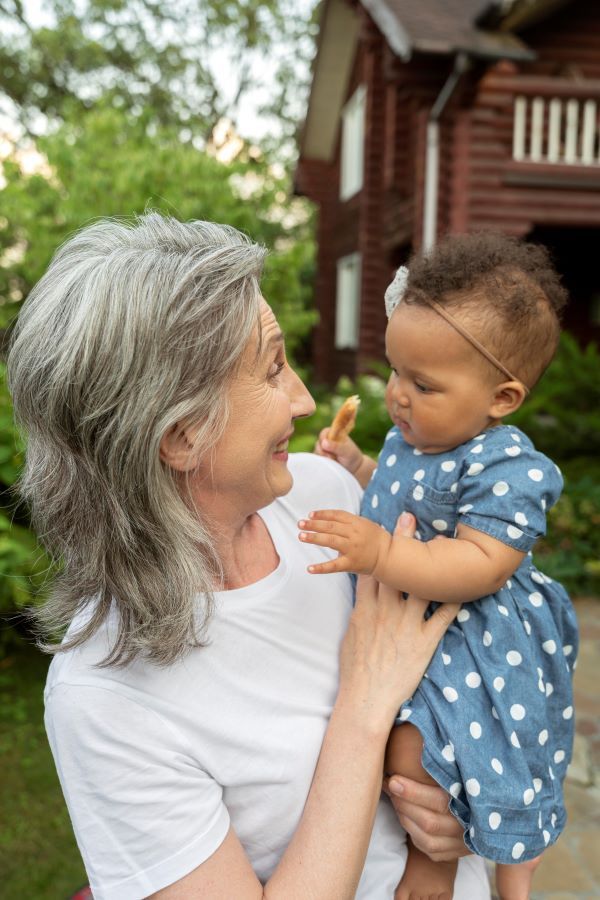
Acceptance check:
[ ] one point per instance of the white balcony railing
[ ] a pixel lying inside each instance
(564, 131)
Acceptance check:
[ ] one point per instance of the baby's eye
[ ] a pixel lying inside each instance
(422, 388)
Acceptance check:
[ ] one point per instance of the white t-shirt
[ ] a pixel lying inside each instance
(155, 763)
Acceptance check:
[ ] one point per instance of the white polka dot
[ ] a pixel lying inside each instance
(472, 831)
(559, 756)
(536, 474)
(517, 712)
(417, 452)
(546, 836)
(499, 683)
(448, 752)
(475, 469)
(567, 649)
(487, 639)
(514, 658)
(494, 713)
(502, 609)
(450, 694)
(418, 534)
(516, 438)
(541, 686)
(473, 787)
(500, 488)
(473, 679)
(518, 850)
(419, 475)
(405, 714)
(455, 789)
(463, 615)
(549, 688)
(508, 584)
(454, 487)
(540, 672)
(514, 739)
(549, 647)
(547, 580)
(526, 626)
(537, 577)
(521, 519)
(543, 736)
(539, 820)
(418, 492)
(446, 659)
(512, 451)
(497, 766)
(448, 465)
(479, 437)
(477, 448)
(374, 501)
(551, 773)
(475, 729)
(537, 785)
(553, 820)
(514, 532)
(391, 460)
(395, 487)
(528, 796)
(439, 524)
(465, 508)
(568, 712)
(494, 820)
(536, 598)
(543, 503)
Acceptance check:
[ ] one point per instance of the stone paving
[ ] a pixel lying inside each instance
(570, 870)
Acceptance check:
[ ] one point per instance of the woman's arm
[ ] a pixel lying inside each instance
(471, 566)
(386, 649)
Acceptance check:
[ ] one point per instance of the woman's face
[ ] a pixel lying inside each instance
(248, 469)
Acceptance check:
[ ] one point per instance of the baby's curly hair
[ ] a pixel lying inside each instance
(506, 292)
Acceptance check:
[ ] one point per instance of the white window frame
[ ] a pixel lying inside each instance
(353, 144)
(347, 302)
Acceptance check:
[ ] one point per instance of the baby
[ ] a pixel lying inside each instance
(472, 327)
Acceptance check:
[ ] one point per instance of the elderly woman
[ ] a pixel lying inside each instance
(218, 718)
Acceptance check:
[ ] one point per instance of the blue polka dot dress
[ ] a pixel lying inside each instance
(495, 708)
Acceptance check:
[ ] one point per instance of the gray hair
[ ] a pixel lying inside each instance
(136, 325)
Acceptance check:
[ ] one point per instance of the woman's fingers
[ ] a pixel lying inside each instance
(423, 811)
(405, 526)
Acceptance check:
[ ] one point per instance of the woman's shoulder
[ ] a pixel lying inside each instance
(321, 483)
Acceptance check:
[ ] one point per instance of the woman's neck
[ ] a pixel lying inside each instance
(246, 551)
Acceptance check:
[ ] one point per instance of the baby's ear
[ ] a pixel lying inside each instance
(508, 397)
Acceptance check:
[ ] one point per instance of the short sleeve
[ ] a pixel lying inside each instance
(507, 487)
(144, 814)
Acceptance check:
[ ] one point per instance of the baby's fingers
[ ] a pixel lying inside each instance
(333, 541)
(330, 515)
(335, 565)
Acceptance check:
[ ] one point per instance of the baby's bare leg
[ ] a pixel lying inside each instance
(514, 882)
(422, 876)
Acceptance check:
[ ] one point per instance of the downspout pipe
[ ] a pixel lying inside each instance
(432, 152)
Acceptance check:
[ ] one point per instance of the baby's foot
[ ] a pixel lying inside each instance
(514, 882)
(425, 878)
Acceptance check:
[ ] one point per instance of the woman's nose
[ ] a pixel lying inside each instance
(301, 400)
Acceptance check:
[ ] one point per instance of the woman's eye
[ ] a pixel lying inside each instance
(276, 370)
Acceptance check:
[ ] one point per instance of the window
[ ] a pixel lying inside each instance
(347, 302)
(353, 138)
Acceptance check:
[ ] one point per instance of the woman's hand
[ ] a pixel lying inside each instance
(388, 645)
(423, 812)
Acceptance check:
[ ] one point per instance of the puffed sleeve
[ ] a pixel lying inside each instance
(143, 812)
(507, 487)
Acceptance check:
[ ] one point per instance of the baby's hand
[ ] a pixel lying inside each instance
(360, 542)
(345, 452)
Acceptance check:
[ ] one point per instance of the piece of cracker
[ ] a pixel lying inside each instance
(345, 419)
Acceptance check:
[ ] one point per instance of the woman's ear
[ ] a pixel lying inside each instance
(177, 449)
(507, 398)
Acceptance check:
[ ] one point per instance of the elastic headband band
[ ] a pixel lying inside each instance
(474, 342)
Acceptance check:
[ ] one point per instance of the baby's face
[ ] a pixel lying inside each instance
(438, 393)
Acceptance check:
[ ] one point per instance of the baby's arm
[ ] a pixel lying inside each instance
(347, 454)
(466, 568)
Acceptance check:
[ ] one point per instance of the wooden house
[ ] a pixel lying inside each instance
(429, 117)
